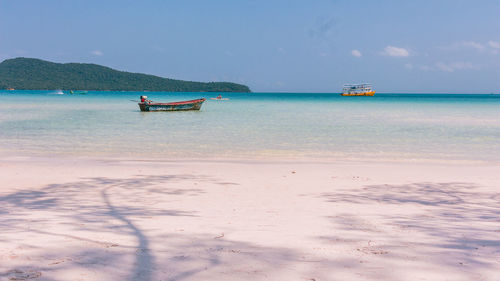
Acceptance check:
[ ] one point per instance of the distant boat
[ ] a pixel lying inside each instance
(78, 92)
(10, 89)
(171, 106)
(358, 90)
(219, 97)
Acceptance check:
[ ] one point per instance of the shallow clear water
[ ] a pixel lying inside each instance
(386, 126)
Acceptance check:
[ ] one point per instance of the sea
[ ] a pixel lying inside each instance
(322, 126)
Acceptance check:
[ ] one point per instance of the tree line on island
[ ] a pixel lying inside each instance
(36, 74)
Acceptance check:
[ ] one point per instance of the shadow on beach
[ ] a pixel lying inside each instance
(119, 229)
(454, 225)
(78, 213)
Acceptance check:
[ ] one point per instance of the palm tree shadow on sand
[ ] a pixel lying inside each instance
(456, 222)
(89, 207)
(85, 205)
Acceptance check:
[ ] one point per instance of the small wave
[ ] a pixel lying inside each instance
(58, 92)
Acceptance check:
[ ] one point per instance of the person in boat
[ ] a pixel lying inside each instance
(145, 99)
(219, 97)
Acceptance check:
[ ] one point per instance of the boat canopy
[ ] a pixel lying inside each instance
(357, 88)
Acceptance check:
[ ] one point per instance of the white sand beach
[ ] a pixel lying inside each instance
(106, 219)
(249, 140)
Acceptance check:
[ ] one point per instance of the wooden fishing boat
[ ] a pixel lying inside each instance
(172, 106)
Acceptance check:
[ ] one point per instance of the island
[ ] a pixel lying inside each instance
(37, 74)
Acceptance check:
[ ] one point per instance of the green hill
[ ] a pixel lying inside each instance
(36, 74)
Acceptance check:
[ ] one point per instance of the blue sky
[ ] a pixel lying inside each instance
(426, 46)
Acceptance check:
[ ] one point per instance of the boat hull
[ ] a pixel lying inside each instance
(359, 94)
(172, 106)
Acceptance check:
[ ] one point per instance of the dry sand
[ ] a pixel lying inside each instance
(84, 219)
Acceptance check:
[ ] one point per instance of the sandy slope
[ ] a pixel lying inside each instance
(77, 219)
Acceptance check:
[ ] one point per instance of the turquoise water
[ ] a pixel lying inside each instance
(386, 126)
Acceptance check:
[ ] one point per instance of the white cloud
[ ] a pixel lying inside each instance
(450, 67)
(465, 45)
(409, 66)
(472, 44)
(356, 53)
(494, 44)
(492, 47)
(97, 53)
(395, 52)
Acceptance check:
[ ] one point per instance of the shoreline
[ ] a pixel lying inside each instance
(77, 218)
(247, 159)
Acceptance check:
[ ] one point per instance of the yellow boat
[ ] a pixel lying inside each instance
(357, 90)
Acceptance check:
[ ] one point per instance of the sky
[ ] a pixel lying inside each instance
(401, 46)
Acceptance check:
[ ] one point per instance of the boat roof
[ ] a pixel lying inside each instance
(352, 85)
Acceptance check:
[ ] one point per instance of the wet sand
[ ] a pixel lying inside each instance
(105, 219)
